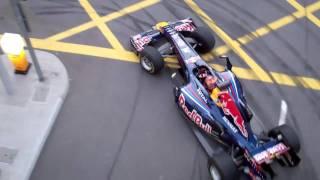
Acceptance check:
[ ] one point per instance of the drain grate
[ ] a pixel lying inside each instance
(7, 155)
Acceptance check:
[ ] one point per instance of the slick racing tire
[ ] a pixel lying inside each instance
(289, 137)
(204, 38)
(222, 167)
(151, 60)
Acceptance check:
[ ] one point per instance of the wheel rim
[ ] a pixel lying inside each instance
(215, 175)
(147, 64)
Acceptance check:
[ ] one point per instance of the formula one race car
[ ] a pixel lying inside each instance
(220, 112)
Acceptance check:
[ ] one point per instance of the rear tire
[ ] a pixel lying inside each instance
(289, 137)
(222, 167)
(151, 60)
(204, 38)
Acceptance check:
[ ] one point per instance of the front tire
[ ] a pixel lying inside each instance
(222, 167)
(204, 38)
(151, 60)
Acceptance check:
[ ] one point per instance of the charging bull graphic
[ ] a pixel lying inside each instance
(230, 108)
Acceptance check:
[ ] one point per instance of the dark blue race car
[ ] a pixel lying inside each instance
(223, 116)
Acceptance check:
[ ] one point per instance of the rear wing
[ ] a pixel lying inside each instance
(269, 152)
(142, 39)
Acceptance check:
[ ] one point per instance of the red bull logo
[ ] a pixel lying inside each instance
(193, 115)
(184, 27)
(141, 41)
(230, 108)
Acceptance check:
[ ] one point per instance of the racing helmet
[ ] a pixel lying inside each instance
(202, 73)
(210, 82)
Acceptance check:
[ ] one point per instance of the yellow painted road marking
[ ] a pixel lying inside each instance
(279, 78)
(243, 73)
(105, 30)
(235, 46)
(85, 26)
(306, 82)
(272, 26)
(123, 55)
(307, 11)
(216, 52)
(314, 19)
(309, 83)
(240, 72)
(72, 31)
(283, 79)
(275, 25)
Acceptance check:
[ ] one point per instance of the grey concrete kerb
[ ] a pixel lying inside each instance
(27, 116)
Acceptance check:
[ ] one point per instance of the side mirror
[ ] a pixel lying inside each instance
(174, 79)
(228, 63)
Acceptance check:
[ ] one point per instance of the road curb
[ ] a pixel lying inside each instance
(36, 105)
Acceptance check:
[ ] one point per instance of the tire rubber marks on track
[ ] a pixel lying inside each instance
(234, 45)
(259, 73)
(262, 31)
(112, 16)
(52, 44)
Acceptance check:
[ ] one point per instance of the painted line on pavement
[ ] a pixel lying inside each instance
(283, 113)
(280, 78)
(272, 26)
(283, 79)
(105, 30)
(308, 82)
(235, 46)
(85, 26)
(123, 55)
(88, 50)
(307, 12)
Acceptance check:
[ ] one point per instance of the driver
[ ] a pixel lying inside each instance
(210, 83)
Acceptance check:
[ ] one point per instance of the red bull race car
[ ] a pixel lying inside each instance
(221, 113)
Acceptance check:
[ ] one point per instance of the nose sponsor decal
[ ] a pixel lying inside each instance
(230, 108)
(193, 115)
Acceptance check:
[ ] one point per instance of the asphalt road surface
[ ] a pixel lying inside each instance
(119, 122)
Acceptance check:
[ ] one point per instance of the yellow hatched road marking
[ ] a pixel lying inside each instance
(314, 19)
(105, 30)
(85, 26)
(273, 26)
(283, 79)
(123, 55)
(263, 75)
(309, 83)
(307, 11)
(279, 78)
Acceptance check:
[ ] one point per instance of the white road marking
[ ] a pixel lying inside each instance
(283, 113)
